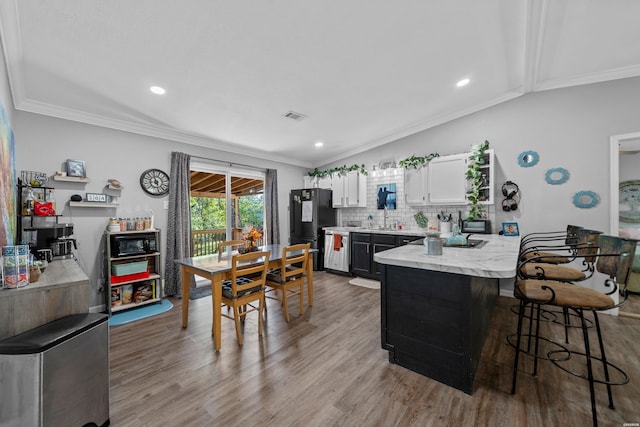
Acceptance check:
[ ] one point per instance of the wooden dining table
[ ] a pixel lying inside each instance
(217, 268)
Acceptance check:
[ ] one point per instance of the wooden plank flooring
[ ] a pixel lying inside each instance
(326, 368)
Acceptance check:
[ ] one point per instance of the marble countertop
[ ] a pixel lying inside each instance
(497, 259)
(59, 273)
(404, 232)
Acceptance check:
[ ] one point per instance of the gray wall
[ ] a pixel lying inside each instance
(44, 143)
(569, 128)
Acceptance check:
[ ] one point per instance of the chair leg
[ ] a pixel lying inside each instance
(301, 299)
(236, 318)
(260, 308)
(285, 304)
(537, 339)
(605, 366)
(517, 348)
(587, 352)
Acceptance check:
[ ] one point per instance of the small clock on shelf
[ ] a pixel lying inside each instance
(154, 182)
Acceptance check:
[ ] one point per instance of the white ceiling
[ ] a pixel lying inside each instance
(365, 72)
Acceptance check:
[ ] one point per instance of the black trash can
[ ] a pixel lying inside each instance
(57, 374)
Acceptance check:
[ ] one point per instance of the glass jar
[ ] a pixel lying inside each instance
(139, 224)
(131, 224)
(147, 223)
(123, 224)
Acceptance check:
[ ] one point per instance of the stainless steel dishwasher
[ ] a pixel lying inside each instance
(336, 255)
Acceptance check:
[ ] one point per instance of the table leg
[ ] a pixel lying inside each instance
(186, 286)
(310, 279)
(216, 301)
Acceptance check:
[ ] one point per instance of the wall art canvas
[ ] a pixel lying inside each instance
(386, 196)
(7, 182)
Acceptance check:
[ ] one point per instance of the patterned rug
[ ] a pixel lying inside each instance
(200, 292)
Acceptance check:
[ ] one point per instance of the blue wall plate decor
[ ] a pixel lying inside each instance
(557, 176)
(526, 159)
(585, 199)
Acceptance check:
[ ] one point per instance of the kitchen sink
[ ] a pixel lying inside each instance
(471, 244)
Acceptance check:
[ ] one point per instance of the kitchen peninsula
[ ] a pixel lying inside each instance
(435, 310)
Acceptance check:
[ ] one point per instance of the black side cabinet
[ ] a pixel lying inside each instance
(435, 323)
(365, 245)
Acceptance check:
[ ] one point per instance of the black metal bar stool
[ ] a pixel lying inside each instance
(614, 259)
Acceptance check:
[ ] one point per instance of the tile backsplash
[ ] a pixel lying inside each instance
(403, 214)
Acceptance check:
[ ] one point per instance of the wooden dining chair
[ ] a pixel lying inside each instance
(288, 280)
(244, 292)
(229, 244)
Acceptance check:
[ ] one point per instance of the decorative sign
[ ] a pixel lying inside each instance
(96, 197)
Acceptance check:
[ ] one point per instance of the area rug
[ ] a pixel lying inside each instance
(200, 292)
(365, 283)
(127, 316)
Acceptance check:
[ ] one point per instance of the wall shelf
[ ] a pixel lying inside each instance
(70, 179)
(93, 205)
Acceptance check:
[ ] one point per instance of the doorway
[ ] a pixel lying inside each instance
(624, 209)
(225, 205)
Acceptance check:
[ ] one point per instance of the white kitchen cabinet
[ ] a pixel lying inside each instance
(446, 180)
(415, 186)
(349, 190)
(325, 182)
(309, 181)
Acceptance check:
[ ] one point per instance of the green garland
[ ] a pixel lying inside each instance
(474, 176)
(340, 170)
(415, 161)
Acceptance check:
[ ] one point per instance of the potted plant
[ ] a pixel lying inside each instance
(475, 178)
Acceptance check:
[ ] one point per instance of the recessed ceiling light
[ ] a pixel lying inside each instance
(463, 82)
(157, 90)
(319, 144)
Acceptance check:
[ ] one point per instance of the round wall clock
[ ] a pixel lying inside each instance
(154, 182)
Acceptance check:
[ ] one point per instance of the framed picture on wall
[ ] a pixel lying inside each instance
(76, 168)
(510, 229)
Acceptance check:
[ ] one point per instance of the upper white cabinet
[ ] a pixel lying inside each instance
(415, 186)
(309, 181)
(349, 190)
(325, 182)
(447, 182)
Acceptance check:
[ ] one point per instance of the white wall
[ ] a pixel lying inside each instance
(44, 143)
(5, 91)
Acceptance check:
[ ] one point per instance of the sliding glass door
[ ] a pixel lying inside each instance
(225, 205)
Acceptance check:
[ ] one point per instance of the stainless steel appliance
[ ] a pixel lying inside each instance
(57, 374)
(133, 243)
(336, 250)
(309, 211)
(58, 238)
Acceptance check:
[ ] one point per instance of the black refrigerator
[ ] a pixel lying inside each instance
(309, 211)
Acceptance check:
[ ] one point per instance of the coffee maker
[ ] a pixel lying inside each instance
(55, 241)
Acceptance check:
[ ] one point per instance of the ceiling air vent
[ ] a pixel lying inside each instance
(295, 116)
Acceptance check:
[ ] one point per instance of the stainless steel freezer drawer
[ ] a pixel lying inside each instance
(57, 374)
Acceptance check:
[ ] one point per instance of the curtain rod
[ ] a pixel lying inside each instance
(231, 164)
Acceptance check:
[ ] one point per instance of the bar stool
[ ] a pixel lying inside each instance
(614, 259)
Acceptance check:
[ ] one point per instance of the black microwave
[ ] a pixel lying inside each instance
(133, 244)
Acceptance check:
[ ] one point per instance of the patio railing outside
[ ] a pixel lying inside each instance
(205, 242)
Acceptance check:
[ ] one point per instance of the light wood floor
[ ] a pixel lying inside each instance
(327, 368)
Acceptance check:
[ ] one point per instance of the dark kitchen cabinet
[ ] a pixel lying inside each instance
(365, 245)
(361, 257)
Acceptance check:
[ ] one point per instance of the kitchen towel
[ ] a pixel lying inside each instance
(337, 242)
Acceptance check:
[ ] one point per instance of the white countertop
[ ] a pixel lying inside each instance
(405, 232)
(497, 259)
